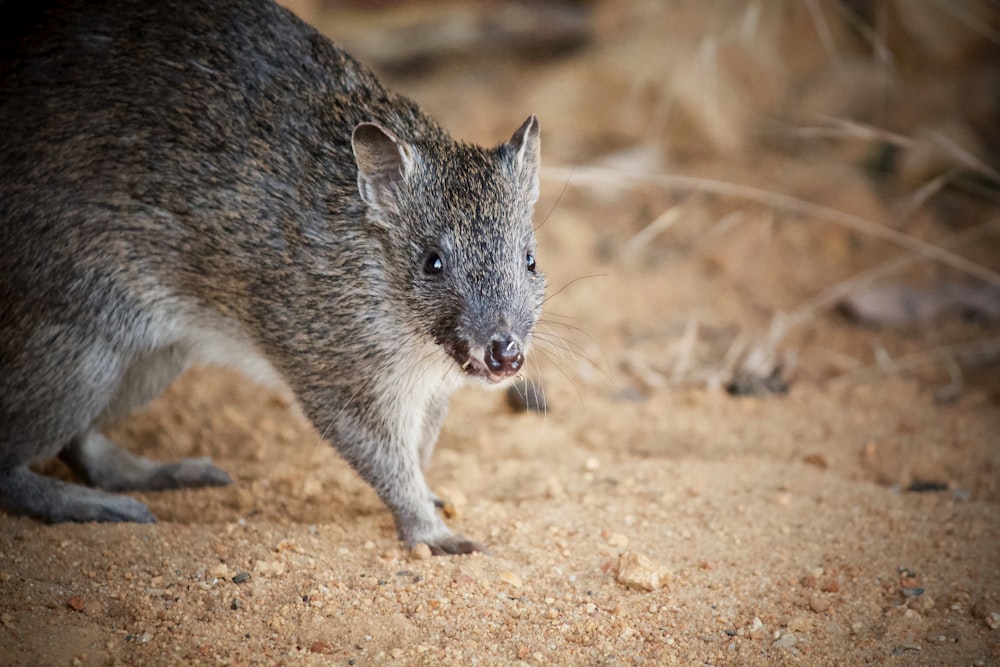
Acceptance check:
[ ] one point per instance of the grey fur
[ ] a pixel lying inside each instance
(185, 182)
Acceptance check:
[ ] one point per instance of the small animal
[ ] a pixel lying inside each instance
(184, 182)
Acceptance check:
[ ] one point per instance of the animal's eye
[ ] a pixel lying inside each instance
(433, 264)
(529, 262)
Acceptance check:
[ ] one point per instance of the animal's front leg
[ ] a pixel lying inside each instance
(433, 419)
(428, 438)
(399, 481)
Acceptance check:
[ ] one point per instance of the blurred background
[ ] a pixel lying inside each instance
(737, 194)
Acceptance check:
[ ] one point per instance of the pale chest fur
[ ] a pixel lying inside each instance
(413, 388)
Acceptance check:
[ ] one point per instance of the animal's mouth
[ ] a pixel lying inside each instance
(480, 362)
(478, 369)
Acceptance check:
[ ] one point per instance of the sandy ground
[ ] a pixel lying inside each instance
(648, 517)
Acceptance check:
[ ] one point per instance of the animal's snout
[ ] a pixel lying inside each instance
(505, 356)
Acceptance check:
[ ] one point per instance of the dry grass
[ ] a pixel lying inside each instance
(733, 77)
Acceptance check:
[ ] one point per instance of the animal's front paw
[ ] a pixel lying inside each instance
(435, 534)
(456, 545)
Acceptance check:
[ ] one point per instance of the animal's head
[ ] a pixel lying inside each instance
(458, 222)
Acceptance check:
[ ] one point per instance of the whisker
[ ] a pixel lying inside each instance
(539, 388)
(579, 349)
(565, 325)
(549, 313)
(566, 375)
(558, 342)
(573, 282)
(333, 419)
(554, 354)
(555, 204)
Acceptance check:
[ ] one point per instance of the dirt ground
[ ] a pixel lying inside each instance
(648, 516)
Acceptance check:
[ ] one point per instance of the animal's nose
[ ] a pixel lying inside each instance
(505, 357)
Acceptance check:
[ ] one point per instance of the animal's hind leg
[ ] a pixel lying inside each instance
(52, 384)
(103, 464)
(25, 492)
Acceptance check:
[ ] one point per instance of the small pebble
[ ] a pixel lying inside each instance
(241, 577)
(637, 571)
(817, 460)
(786, 640)
(270, 568)
(321, 647)
(927, 487)
(800, 624)
(554, 489)
(758, 630)
(420, 551)
(980, 609)
(287, 545)
(617, 540)
(510, 578)
(900, 650)
(818, 603)
(75, 603)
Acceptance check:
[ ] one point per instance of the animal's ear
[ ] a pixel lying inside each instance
(526, 146)
(383, 161)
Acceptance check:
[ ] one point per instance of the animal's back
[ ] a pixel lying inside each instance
(162, 162)
(152, 147)
(184, 107)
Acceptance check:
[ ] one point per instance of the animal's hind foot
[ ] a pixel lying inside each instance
(456, 545)
(25, 492)
(105, 465)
